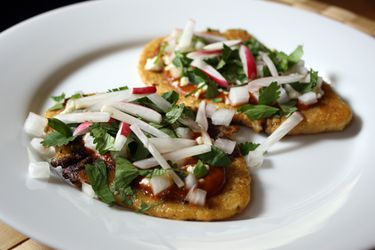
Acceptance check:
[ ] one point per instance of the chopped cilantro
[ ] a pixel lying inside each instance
(288, 108)
(219, 99)
(59, 102)
(306, 87)
(256, 112)
(255, 46)
(178, 111)
(118, 89)
(76, 96)
(180, 60)
(61, 136)
(200, 170)
(171, 96)
(103, 134)
(161, 52)
(269, 94)
(283, 61)
(246, 147)
(216, 157)
(144, 207)
(212, 90)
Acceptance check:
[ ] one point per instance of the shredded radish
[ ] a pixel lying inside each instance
(43, 152)
(220, 45)
(160, 102)
(160, 183)
(144, 90)
(35, 124)
(196, 196)
(138, 110)
(270, 65)
(121, 136)
(248, 62)
(121, 116)
(203, 54)
(87, 189)
(88, 101)
(109, 101)
(174, 156)
(39, 170)
(82, 128)
(226, 145)
(283, 96)
(156, 154)
(222, 117)
(255, 158)
(210, 37)
(193, 125)
(206, 139)
(201, 117)
(183, 132)
(166, 145)
(210, 109)
(211, 72)
(308, 98)
(256, 84)
(186, 38)
(190, 181)
(83, 117)
(239, 95)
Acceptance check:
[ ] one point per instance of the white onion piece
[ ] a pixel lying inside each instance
(39, 170)
(206, 137)
(239, 95)
(308, 98)
(160, 102)
(255, 158)
(35, 124)
(88, 142)
(203, 54)
(186, 38)
(201, 117)
(190, 181)
(156, 154)
(87, 189)
(226, 145)
(210, 109)
(160, 183)
(183, 132)
(270, 65)
(211, 72)
(220, 45)
(121, 116)
(82, 129)
(256, 84)
(84, 117)
(43, 152)
(283, 98)
(222, 117)
(166, 145)
(210, 37)
(196, 196)
(138, 110)
(174, 156)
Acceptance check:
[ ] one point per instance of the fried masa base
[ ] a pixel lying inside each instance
(331, 113)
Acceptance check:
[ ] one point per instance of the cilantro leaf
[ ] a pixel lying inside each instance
(59, 102)
(161, 52)
(171, 96)
(60, 127)
(118, 89)
(97, 174)
(296, 55)
(56, 139)
(246, 147)
(306, 87)
(75, 96)
(269, 94)
(212, 90)
(180, 60)
(137, 150)
(226, 54)
(103, 134)
(256, 112)
(59, 98)
(283, 61)
(288, 108)
(216, 157)
(175, 113)
(255, 46)
(144, 207)
(200, 170)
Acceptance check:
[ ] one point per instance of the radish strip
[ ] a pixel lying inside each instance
(248, 62)
(166, 145)
(186, 37)
(203, 54)
(82, 129)
(83, 117)
(121, 116)
(160, 102)
(211, 72)
(270, 65)
(174, 156)
(201, 117)
(109, 101)
(220, 45)
(138, 110)
(87, 101)
(210, 37)
(144, 90)
(155, 153)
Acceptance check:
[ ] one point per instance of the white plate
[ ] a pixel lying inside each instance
(315, 191)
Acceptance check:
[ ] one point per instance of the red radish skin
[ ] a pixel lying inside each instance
(144, 90)
(204, 54)
(125, 129)
(82, 129)
(248, 61)
(211, 72)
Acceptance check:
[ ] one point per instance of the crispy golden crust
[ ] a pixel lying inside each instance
(234, 198)
(330, 114)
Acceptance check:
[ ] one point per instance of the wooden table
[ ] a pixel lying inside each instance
(11, 239)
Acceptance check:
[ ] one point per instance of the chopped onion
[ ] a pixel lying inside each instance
(87, 189)
(220, 45)
(156, 154)
(166, 145)
(35, 124)
(121, 116)
(201, 117)
(239, 95)
(248, 62)
(210, 109)
(308, 98)
(160, 183)
(222, 117)
(160, 102)
(43, 152)
(82, 129)
(39, 170)
(183, 132)
(174, 156)
(226, 145)
(256, 84)
(203, 54)
(270, 65)
(210, 37)
(255, 158)
(196, 196)
(84, 117)
(138, 110)
(186, 38)
(190, 181)
(211, 72)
